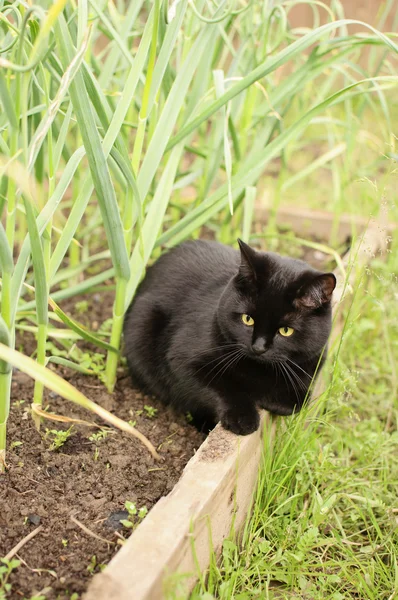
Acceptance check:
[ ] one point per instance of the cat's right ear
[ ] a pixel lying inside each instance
(247, 270)
(316, 292)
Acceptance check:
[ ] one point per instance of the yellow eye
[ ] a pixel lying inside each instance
(248, 320)
(286, 331)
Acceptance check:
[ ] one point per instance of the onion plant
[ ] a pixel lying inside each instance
(125, 128)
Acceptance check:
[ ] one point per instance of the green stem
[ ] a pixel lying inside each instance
(138, 142)
(12, 196)
(247, 118)
(6, 311)
(46, 243)
(6, 298)
(154, 117)
(142, 118)
(116, 334)
(5, 371)
(5, 387)
(14, 140)
(74, 249)
(41, 359)
(128, 218)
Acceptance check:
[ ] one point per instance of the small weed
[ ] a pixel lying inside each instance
(189, 417)
(142, 512)
(135, 515)
(64, 542)
(82, 306)
(6, 568)
(132, 423)
(17, 403)
(95, 566)
(53, 350)
(15, 444)
(92, 565)
(95, 362)
(150, 411)
(58, 437)
(106, 326)
(98, 437)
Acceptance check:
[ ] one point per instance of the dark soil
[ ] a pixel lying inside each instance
(84, 479)
(87, 480)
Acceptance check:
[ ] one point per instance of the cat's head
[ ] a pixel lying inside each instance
(276, 308)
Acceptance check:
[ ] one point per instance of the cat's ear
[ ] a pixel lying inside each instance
(247, 269)
(316, 292)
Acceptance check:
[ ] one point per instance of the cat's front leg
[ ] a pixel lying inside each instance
(241, 420)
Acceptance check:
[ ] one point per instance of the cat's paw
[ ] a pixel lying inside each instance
(241, 423)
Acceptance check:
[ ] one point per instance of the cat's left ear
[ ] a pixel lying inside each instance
(247, 262)
(316, 292)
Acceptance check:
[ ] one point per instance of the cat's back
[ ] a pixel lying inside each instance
(174, 304)
(192, 265)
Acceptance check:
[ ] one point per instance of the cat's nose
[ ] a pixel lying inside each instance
(259, 346)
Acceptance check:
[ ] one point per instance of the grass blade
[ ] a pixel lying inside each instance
(96, 158)
(152, 223)
(248, 210)
(80, 329)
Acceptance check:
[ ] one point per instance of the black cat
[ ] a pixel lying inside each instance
(219, 334)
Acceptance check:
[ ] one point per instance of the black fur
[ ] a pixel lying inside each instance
(186, 342)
